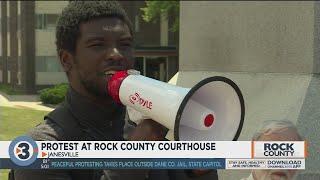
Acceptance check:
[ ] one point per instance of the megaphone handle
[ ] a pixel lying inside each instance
(148, 130)
(170, 135)
(136, 116)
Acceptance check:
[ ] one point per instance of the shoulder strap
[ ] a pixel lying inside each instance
(65, 120)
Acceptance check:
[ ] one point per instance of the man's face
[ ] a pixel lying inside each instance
(103, 47)
(274, 174)
(284, 134)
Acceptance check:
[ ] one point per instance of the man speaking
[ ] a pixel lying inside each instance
(94, 39)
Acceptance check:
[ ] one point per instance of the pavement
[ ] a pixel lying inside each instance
(23, 102)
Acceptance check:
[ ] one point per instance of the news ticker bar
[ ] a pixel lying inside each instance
(216, 163)
(25, 152)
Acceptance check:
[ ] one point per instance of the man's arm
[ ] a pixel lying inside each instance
(36, 174)
(149, 130)
(45, 131)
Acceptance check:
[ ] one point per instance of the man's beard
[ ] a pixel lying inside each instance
(92, 88)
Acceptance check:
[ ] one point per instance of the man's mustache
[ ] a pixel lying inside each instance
(115, 65)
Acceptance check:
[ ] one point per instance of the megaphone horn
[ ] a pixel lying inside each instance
(213, 110)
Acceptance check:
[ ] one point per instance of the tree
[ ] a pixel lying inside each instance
(154, 9)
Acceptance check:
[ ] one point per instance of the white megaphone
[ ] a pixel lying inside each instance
(213, 110)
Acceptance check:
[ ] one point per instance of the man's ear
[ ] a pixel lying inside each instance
(66, 60)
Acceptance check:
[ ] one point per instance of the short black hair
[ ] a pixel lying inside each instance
(77, 12)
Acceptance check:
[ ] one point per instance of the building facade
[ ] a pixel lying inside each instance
(270, 49)
(29, 60)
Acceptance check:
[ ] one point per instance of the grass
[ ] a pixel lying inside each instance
(15, 122)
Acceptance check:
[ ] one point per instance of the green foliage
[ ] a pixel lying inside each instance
(6, 88)
(154, 9)
(54, 95)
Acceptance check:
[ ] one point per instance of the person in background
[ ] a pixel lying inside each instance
(275, 131)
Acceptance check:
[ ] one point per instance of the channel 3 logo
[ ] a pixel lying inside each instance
(23, 151)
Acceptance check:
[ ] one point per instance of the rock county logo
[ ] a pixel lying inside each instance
(278, 149)
(23, 151)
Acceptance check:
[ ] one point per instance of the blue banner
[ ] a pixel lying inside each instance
(134, 163)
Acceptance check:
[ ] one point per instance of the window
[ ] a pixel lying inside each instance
(47, 64)
(153, 67)
(40, 21)
(46, 21)
(139, 64)
(51, 21)
(156, 68)
(136, 23)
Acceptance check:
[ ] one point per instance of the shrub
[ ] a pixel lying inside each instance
(8, 89)
(54, 95)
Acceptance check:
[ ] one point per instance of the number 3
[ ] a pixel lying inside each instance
(25, 151)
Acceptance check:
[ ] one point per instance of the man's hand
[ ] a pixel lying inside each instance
(148, 130)
(200, 172)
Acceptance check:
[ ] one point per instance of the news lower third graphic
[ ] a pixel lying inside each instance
(24, 152)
